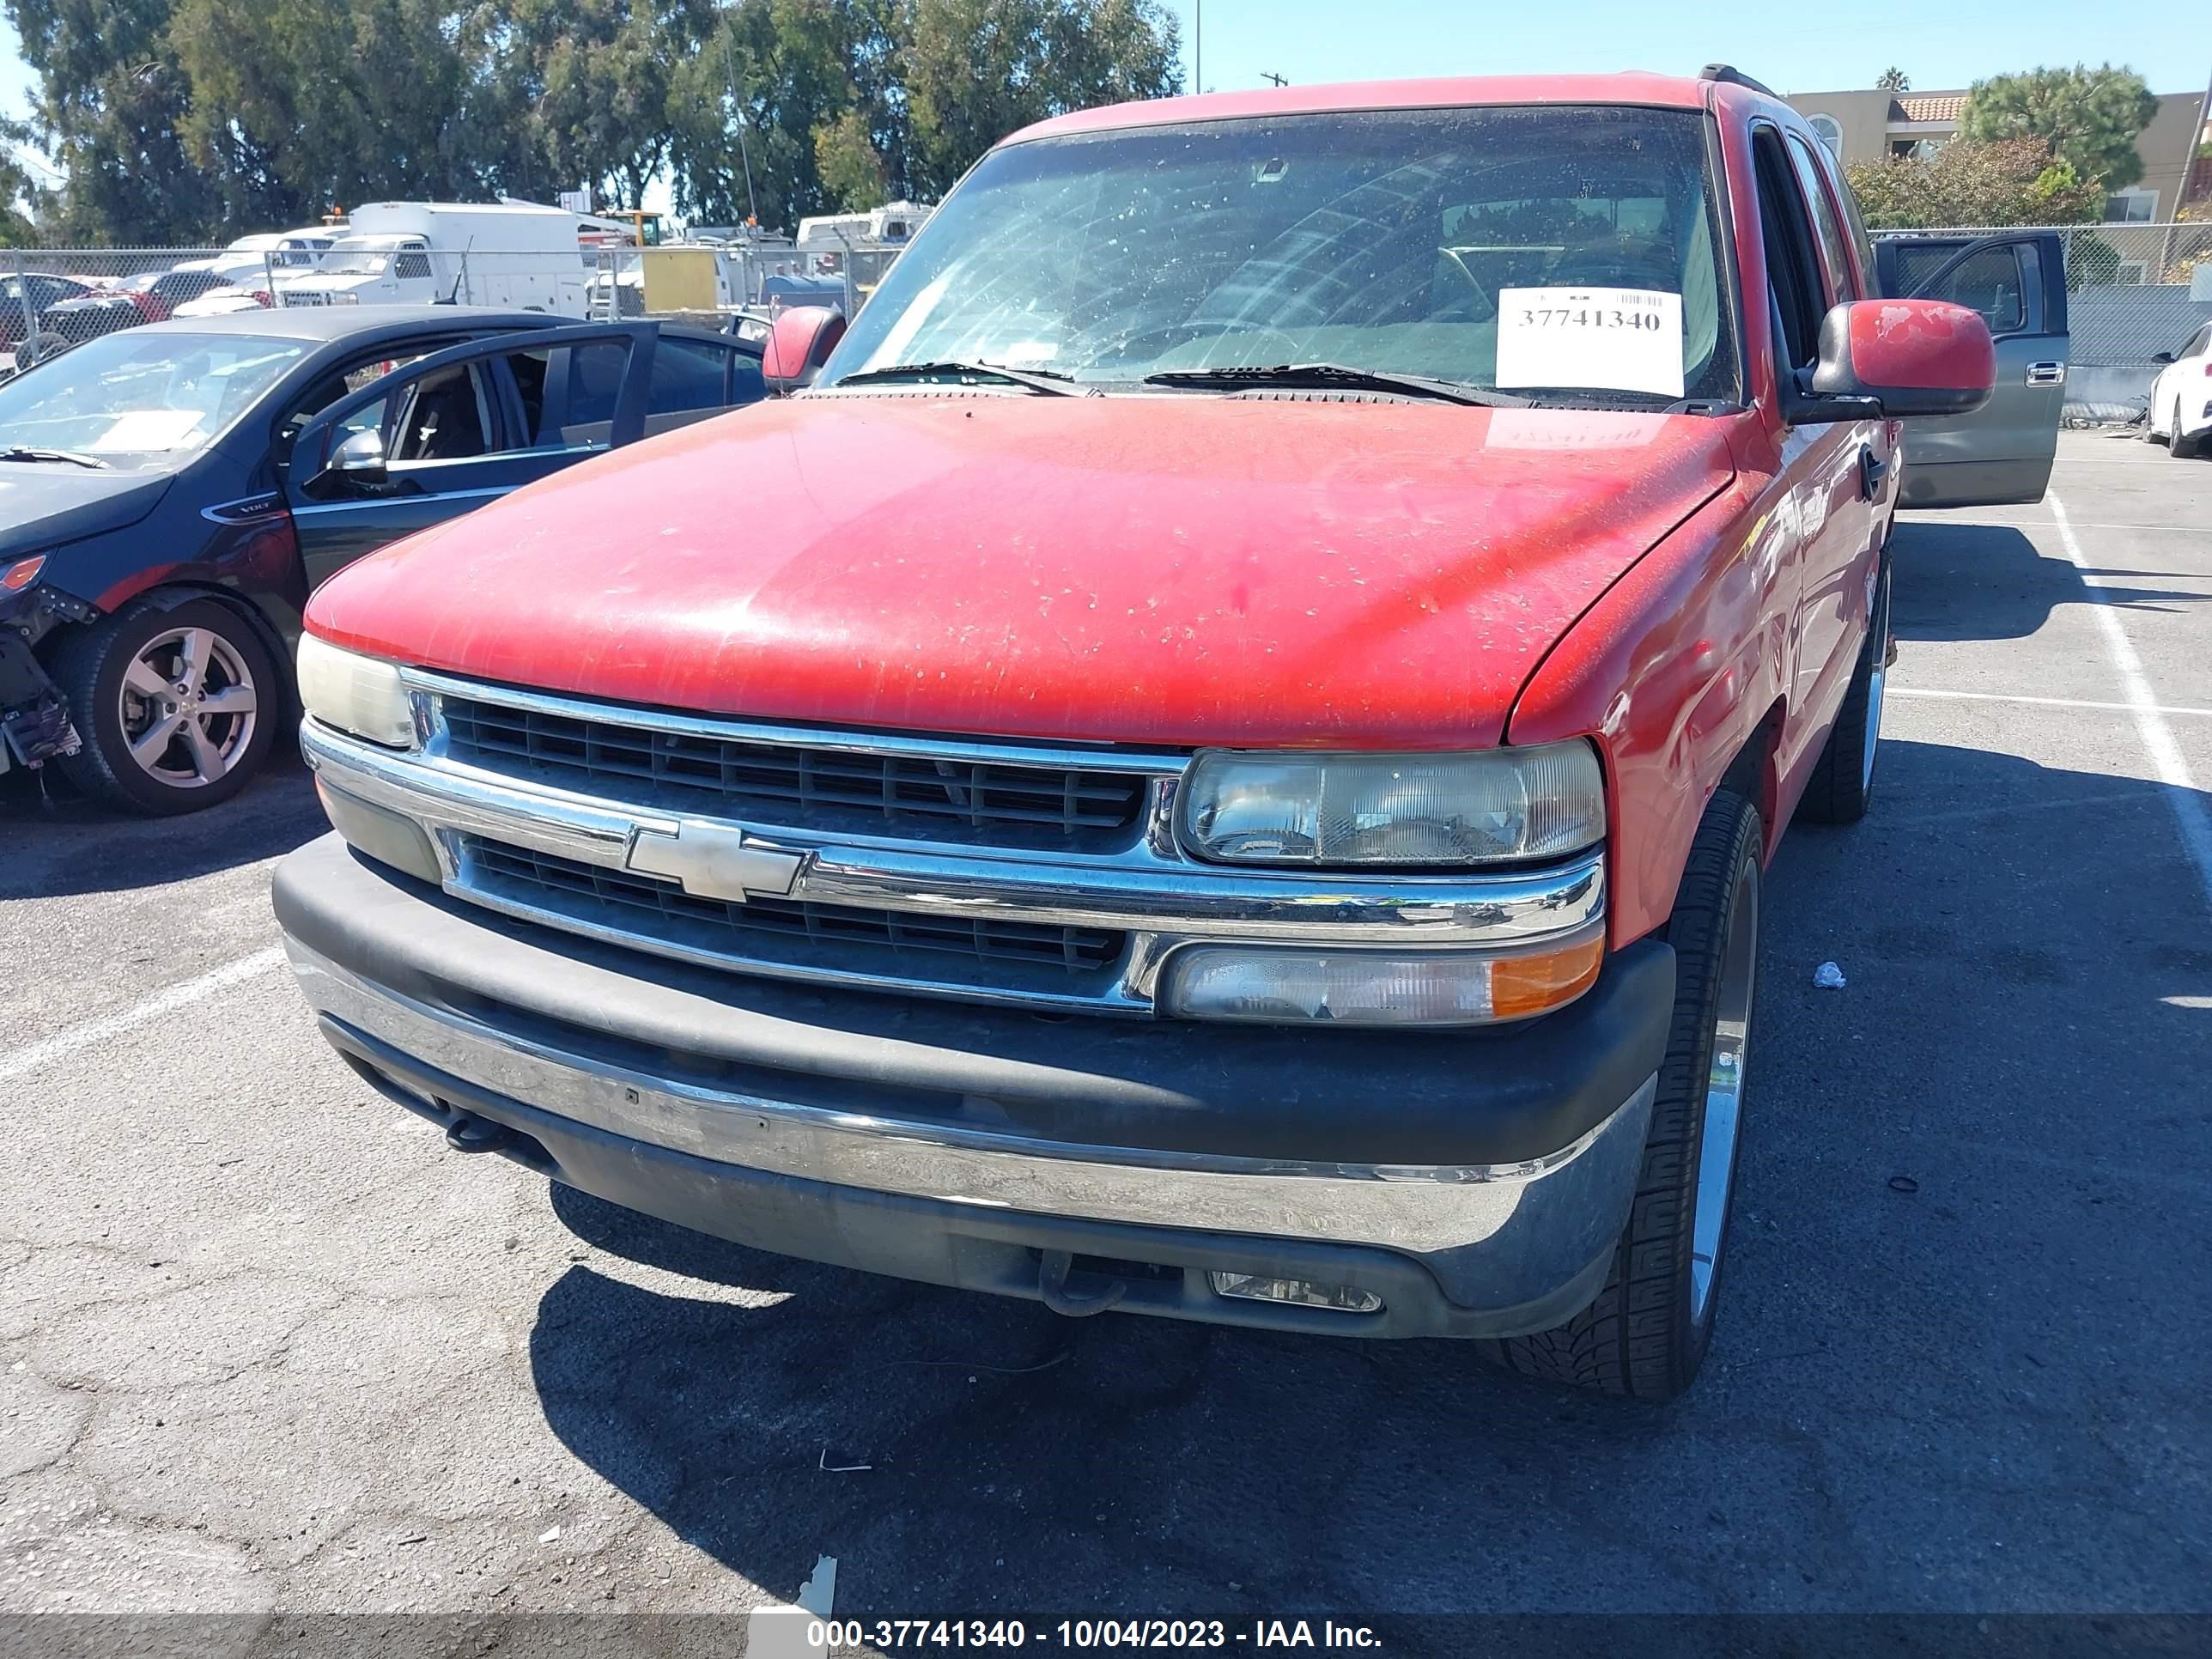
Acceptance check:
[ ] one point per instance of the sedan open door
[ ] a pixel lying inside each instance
(2003, 452)
(448, 433)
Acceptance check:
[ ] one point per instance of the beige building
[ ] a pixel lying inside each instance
(1867, 126)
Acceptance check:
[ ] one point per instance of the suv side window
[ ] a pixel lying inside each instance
(1833, 250)
(1993, 282)
(1870, 271)
(1794, 284)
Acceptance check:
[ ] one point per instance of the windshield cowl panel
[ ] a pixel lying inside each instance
(1564, 253)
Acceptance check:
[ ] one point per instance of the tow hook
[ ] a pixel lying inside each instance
(1052, 1284)
(467, 1133)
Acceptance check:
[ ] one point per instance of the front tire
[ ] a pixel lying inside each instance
(1646, 1334)
(178, 705)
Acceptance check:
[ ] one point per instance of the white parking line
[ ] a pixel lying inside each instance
(2046, 702)
(2165, 755)
(19, 1062)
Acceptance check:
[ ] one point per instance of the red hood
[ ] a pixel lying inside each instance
(1172, 570)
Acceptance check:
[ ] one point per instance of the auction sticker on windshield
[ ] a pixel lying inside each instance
(1612, 339)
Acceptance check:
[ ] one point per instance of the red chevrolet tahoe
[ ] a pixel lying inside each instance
(1218, 762)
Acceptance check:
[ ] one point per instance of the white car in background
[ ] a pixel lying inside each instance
(244, 287)
(2181, 396)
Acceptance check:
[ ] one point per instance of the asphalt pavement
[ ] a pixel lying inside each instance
(266, 1346)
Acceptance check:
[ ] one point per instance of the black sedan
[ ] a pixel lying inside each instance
(170, 494)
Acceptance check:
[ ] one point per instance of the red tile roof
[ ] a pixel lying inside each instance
(1934, 106)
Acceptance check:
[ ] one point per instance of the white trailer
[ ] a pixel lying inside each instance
(509, 253)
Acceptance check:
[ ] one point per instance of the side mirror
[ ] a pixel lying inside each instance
(799, 342)
(360, 458)
(1909, 357)
(2161, 356)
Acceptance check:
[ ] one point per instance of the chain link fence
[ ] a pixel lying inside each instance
(52, 299)
(2132, 290)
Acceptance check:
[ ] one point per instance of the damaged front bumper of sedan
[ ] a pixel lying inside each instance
(34, 716)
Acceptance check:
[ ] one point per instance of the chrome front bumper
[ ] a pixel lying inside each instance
(1420, 1209)
(1475, 1182)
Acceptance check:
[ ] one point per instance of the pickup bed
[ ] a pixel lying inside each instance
(1218, 764)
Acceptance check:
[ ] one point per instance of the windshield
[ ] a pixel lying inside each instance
(1564, 249)
(357, 261)
(142, 398)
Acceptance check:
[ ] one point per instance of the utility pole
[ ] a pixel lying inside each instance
(1270, 74)
(1198, 46)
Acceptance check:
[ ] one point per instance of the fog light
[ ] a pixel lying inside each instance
(1377, 988)
(1300, 1292)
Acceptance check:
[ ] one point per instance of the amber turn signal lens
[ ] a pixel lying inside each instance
(1522, 986)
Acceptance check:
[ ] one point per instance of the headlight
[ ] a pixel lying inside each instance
(1488, 806)
(356, 694)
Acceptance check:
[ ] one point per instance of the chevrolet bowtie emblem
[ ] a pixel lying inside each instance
(712, 860)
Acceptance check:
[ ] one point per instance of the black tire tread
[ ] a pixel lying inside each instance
(1631, 1341)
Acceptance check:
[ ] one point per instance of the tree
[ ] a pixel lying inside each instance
(2088, 118)
(977, 69)
(747, 110)
(593, 80)
(848, 163)
(19, 194)
(2012, 182)
(1892, 80)
(183, 121)
(108, 106)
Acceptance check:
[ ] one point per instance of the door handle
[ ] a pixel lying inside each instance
(1872, 471)
(2047, 374)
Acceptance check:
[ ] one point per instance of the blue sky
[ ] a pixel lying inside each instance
(1792, 46)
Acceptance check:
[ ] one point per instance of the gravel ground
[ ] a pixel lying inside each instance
(266, 1347)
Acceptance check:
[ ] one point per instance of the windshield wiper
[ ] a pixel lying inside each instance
(1037, 380)
(24, 453)
(1335, 376)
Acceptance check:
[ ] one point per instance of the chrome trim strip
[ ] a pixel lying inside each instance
(1418, 1208)
(1074, 753)
(1186, 901)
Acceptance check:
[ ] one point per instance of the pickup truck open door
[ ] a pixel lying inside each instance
(2001, 452)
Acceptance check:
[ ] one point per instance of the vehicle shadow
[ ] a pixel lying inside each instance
(54, 842)
(1942, 1258)
(1989, 582)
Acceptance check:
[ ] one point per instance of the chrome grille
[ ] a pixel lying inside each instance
(799, 785)
(767, 928)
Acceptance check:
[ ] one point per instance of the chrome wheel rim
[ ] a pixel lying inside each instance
(1724, 1093)
(188, 707)
(1879, 633)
